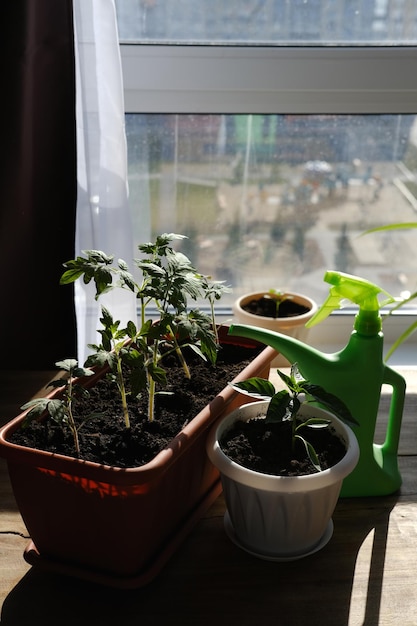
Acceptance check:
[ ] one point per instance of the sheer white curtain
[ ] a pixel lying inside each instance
(103, 216)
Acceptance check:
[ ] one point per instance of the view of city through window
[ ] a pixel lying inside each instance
(273, 201)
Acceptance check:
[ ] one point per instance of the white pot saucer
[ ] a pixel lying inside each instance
(270, 557)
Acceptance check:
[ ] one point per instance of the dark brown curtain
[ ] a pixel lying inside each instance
(37, 183)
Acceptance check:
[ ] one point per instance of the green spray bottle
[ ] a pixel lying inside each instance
(356, 375)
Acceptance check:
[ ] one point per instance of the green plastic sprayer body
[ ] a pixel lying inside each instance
(356, 375)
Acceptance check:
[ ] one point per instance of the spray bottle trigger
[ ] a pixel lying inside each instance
(331, 303)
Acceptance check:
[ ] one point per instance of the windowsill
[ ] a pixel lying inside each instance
(333, 334)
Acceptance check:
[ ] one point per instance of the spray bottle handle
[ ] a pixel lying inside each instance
(398, 384)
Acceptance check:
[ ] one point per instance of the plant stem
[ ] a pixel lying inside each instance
(151, 399)
(74, 432)
(72, 425)
(213, 321)
(183, 361)
(151, 402)
(293, 429)
(122, 389)
(142, 311)
(180, 354)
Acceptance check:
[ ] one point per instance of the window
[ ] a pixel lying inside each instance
(274, 133)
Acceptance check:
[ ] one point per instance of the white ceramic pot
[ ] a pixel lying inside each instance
(280, 517)
(292, 326)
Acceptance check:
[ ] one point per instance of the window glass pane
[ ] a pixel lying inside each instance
(268, 21)
(272, 201)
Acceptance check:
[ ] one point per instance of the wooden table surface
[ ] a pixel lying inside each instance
(366, 575)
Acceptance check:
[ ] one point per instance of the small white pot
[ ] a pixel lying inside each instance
(292, 326)
(280, 517)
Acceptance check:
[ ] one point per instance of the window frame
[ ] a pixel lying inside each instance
(262, 79)
(281, 80)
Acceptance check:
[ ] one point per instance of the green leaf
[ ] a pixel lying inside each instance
(70, 276)
(145, 328)
(312, 455)
(138, 381)
(127, 280)
(289, 381)
(38, 403)
(101, 358)
(106, 317)
(106, 338)
(278, 407)
(103, 280)
(164, 239)
(159, 330)
(255, 387)
(79, 390)
(59, 382)
(152, 269)
(68, 364)
(195, 348)
(295, 406)
(98, 256)
(133, 358)
(38, 406)
(209, 348)
(295, 373)
(331, 402)
(56, 409)
(123, 266)
(82, 371)
(395, 226)
(131, 329)
(316, 422)
(215, 289)
(158, 374)
(409, 331)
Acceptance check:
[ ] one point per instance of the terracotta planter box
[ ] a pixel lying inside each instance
(119, 526)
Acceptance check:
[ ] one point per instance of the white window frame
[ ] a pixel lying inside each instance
(242, 79)
(260, 79)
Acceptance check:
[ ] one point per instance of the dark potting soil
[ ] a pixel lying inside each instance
(267, 307)
(266, 447)
(105, 439)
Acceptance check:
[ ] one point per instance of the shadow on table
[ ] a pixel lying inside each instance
(211, 581)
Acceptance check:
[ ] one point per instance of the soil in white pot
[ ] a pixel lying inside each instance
(267, 307)
(266, 447)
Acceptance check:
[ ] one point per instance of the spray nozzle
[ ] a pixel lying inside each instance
(358, 291)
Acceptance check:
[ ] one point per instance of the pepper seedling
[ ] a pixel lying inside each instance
(279, 297)
(285, 405)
